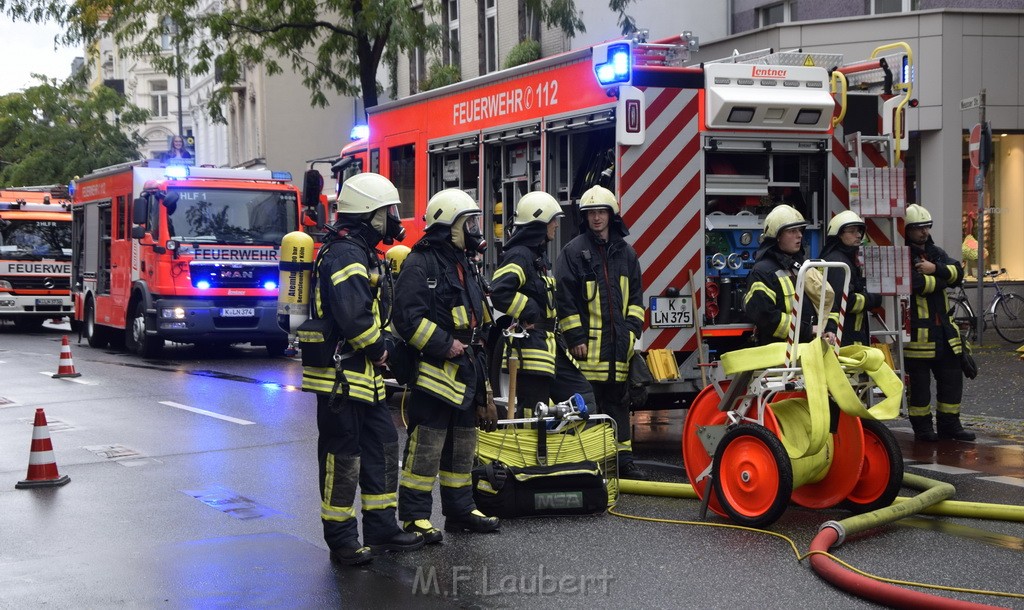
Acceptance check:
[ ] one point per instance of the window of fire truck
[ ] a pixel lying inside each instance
(402, 161)
(232, 216)
(455, 165)
(35, 239)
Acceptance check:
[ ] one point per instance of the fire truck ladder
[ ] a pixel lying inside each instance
(894, 304)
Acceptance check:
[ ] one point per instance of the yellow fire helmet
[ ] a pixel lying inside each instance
(598, 198)
(782, 217)
(446, 206)
(366, 192)
(537, 206)
(846, 218)
(917, 216)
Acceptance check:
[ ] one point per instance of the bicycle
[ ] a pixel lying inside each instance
(1006, 312)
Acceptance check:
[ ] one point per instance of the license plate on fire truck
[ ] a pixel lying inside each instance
(671, 312)
(47, 302)
(237, 312)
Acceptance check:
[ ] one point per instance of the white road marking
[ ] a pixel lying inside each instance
(944, 469)
(1007, 480)
(235, 420)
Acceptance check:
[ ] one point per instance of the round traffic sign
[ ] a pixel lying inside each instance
(974, 146)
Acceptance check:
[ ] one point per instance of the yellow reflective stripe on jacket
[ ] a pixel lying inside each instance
(454, 479)
(597, 370)
(459, 317)
(348, 271)
(379, 501)
(637, 312)
(519, 303)
(859, 302)
(570, 322)
(549, 306)
(954, 274)
(441, 381)
(513, 269)
(424, 331)
(929, 284)
(316, 379)
(782, 330)
(365, 338)
(759, 287)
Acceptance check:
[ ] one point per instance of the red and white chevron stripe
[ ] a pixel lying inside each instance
(839, 188)
(660, 196)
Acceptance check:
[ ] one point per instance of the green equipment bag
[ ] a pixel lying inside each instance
(576, 488)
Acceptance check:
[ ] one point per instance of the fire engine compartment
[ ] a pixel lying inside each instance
(743, 179)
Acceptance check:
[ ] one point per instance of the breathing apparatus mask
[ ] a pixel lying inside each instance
(467, 234)
(387, 222)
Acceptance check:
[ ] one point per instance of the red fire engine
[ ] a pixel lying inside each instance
(183, 254)
(697, 155)
(35, 255)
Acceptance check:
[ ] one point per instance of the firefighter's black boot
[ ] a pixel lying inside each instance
(474, 521)
(949, 427)
(923, 430)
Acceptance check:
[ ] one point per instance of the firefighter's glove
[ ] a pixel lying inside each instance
(487, 417)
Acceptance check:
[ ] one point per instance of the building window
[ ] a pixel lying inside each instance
(167, 30)
(417, 63)
(158, 98)
(879, 7)
(491, 35)
(775, 13)
(454, 56)
(531, 24)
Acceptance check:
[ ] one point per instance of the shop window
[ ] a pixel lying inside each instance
(1004, 208)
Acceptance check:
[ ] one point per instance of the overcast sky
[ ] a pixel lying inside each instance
(27, 48)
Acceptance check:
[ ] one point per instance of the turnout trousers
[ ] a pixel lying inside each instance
(357, 444)
(442, 441)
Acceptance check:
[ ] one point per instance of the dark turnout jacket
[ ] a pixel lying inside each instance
(600, 302)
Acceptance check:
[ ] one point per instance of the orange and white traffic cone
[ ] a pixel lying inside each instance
(67, 366)
(42, 469)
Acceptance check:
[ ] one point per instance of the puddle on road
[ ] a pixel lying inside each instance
(212, 374)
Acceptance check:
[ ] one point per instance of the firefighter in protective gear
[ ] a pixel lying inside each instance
(523, 288)
(772, 281)
(358, 442)
(842, 244)
(439, 312)
(935, 343)
(601, 311)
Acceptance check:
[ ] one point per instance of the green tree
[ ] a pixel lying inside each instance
(335, 45)
(53, 131)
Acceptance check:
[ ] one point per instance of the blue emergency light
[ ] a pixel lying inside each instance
(176, 171)
(359, 132)
(616, 67)
(269, 285)
(280, 175)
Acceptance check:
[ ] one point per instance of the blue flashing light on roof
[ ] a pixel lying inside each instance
(359, 132)
(176, 171)
(269, 285)
(202, 284)
(613, 63)
(281, 175)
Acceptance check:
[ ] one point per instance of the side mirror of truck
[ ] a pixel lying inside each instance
(312, 186)
(138, 232)
(140, 213)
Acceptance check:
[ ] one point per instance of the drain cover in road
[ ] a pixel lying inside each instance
(231, 503)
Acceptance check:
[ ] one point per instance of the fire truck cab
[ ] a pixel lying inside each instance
(35, 255)
(696, 155)
(184, 254)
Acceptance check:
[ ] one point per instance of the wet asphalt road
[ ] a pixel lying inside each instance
(193, 483)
